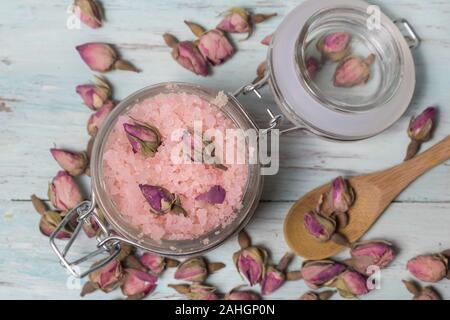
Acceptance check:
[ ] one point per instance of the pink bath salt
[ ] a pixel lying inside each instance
(124, 170)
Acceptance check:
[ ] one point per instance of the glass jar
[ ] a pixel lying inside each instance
(312, 104)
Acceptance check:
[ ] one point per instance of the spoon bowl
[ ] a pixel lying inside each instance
(374, 193)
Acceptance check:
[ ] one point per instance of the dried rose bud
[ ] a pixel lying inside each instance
(420, 130)
(89, 12)
(215, 195)
(317, 274)
(335, 46)
(244, 295)
(353, 71)
(202, 292)
(161, 201)
(96, 94)
(102, 57)
(91, 228)
(236, 20)
(187, 55)
(63, 192)
(371, 253)
(272, 281)
(144, 138)
(213, 44)
(138, 284)
(312, 66)
(339, 198)
(351, 284)
(324, 295)
(322, 228)
(106, 279)
(73, 162)
(193, 269)
(49, 221)
(96, 119)
(427, 293)
(155, 263)
(267, 40)
(251, 263)
(429, 268)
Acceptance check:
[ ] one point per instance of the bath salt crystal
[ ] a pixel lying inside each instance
(124, 170)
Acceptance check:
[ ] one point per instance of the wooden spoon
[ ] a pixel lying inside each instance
(374, 193)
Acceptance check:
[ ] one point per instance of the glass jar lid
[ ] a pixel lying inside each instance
(331, 72)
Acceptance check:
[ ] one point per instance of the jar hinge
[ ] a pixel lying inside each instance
(107, 243)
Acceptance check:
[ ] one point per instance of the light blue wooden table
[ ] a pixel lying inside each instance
(39, 108)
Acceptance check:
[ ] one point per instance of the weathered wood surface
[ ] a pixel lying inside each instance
(39, 70)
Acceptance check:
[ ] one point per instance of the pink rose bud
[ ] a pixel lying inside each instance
(155, 263)
(213, 44)
(335, 46)
(202, 292)
(96, 119)
(144, 138)
(324, 295)
(317, 274)
(427, 293)
(320, 227)
(420, 130)
(95, 95)
(272, 281)
(353, 71)
(251, 264)
(193, 269)
(215, 195)
(236, 20)
(63, 192)
(339, 198)
(351, 284)
(49, 221)
(91, 228)
(267, 40)
(371, 253)
(102, 57)
(89, 12)
(138, 284)
(312, 66)
(187, 55)
(161, 200)
(73, 162)
(429, 268)
(107, 278)
(244, 295)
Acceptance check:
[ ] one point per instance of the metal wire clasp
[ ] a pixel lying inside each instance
(275, 120)
(83, 213)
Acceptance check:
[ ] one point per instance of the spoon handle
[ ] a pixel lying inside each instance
(394, 180)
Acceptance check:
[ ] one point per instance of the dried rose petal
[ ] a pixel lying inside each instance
(96, 119)
(89, 12)
(420, 130)
(187, 55)
(215, 195)
(102, 57)
(96, 94)
(73, 162)
(251, 263)
(319, 226)
(155, 263)
(138, 284)
(63, 192)
(428, 268)
(317, 274)
(144, 138)
(353, 71)
(351, 284)
(371, 253)
(335, 46)
(193, 269)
